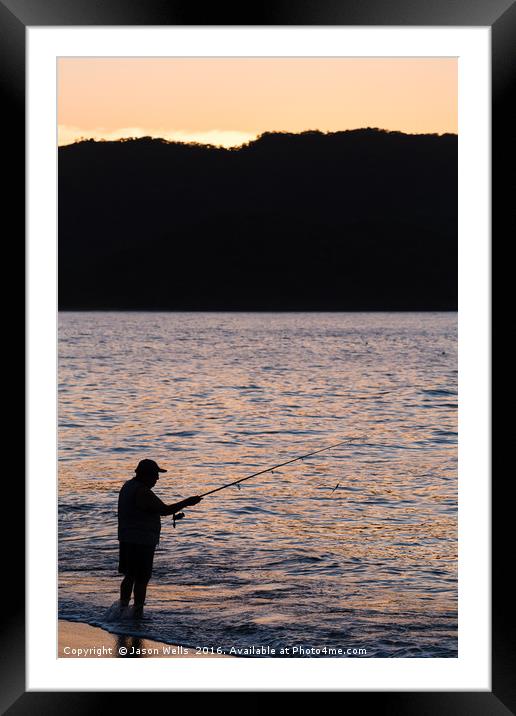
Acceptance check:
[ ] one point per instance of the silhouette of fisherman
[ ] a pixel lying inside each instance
(139, 526)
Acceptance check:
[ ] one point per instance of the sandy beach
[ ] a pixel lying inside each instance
(79, 641)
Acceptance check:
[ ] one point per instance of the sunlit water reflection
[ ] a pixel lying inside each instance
(284, 561)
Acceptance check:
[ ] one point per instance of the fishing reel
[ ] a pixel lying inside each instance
(177, 516)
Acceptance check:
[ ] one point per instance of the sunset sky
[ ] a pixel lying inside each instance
(228, 101)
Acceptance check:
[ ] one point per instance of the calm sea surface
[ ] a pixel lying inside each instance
(285, 561)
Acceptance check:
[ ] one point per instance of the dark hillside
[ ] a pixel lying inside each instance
(357, 220)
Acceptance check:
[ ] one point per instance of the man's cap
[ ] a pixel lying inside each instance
(147, 466)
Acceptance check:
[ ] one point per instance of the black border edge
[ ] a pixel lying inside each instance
(385, 703)
(279, 12)
(499, 14)
(503, 68)
(12, 122)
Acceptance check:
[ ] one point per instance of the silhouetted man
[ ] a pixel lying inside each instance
(139, 526)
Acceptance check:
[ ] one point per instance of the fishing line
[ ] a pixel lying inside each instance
(275, 467)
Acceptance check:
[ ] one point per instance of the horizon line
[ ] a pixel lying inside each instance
(164, 140)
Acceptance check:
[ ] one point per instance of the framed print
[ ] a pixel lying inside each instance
(258, 254)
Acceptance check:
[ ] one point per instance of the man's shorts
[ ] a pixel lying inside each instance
(135, 560)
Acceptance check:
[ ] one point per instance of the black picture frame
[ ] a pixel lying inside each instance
(500, 16)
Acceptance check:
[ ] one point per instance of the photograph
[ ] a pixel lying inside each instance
(258, 251)
(257, 357)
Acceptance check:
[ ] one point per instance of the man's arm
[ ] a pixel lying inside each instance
(148, 501)
(178, 506)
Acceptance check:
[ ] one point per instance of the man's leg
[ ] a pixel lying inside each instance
(125, 590)
(140, 592)
(142, 577)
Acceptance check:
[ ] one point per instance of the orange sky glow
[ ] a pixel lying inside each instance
(229, 101)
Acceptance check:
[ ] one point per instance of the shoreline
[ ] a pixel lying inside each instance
(78, 640)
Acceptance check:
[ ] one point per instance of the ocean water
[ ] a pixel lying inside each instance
(287, 561)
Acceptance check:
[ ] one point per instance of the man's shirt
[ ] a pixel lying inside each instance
(139, 511)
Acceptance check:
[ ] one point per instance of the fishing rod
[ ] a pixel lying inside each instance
(275, 467)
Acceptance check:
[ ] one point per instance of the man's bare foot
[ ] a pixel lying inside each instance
(138, 611)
